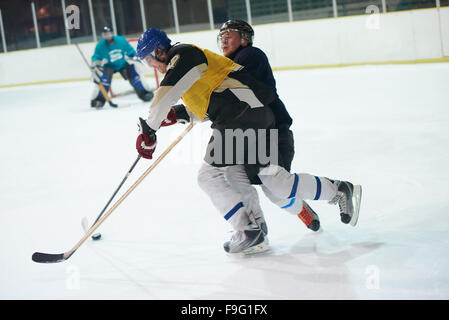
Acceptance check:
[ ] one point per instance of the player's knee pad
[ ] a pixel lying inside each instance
(278, 180)
(237, 178)
(96, 95)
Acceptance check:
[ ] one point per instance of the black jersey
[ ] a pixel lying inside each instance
(256, 63)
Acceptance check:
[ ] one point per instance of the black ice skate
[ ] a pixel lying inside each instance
(97, 103)
(147, 96)
(348, 198)
(259, 220)
(248, 241)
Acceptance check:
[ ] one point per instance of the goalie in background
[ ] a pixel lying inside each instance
(114, 54)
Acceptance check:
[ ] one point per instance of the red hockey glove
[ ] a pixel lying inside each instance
(146, 141)
(170, 120)
(177, 114)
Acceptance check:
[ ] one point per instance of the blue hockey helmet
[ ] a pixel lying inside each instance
(150, 41)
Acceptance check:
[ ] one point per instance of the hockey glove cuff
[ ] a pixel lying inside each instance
(146, 140)
(177, 114)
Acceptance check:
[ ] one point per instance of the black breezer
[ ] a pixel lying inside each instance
(227, 111)
(256, 63)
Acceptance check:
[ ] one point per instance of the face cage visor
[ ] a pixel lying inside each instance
(153, 56)
(107, 35)
(243, 36)
(222, 33)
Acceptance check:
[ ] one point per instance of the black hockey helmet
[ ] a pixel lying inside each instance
(245, 30)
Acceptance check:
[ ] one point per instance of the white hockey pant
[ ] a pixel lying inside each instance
(285, 185)
(228, 201)
(293, 205)
(238, 179)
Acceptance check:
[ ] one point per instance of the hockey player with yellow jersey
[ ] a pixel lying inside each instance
(215, 88)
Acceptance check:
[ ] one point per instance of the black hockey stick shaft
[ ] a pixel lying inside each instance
(41, 257)
(100, 85)
(117, 190)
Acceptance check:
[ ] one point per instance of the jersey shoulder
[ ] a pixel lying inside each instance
(181, 59)
(120, 39)
(254, 51)
(251, 54)
(189, 54)
(101, 43)
(185, 50)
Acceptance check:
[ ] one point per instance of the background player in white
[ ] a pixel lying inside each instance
(115, 54)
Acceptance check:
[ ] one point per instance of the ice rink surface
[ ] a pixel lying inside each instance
(384, 127)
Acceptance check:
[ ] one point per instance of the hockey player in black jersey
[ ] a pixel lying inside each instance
(236, 42)
(214, 87)
(235, 39)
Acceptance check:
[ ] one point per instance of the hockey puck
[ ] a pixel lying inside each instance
(96, 236)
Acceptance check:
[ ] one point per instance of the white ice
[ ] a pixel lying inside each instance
(385, 127)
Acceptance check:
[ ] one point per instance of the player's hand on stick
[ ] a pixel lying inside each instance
(97, 71)
(177, 114)
(146, 140)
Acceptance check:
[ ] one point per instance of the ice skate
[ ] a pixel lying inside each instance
(348, 198)
(258, 219)
(309, 217)
(147, 96)
(97, 104)
(248, 241)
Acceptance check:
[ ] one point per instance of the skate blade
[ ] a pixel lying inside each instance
(356, 199)
(259, 248)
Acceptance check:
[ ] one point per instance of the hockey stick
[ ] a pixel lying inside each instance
(100, 85)
(58, 257)
(84, 221)
(121, 94)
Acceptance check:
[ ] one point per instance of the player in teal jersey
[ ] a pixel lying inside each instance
(115, 54)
